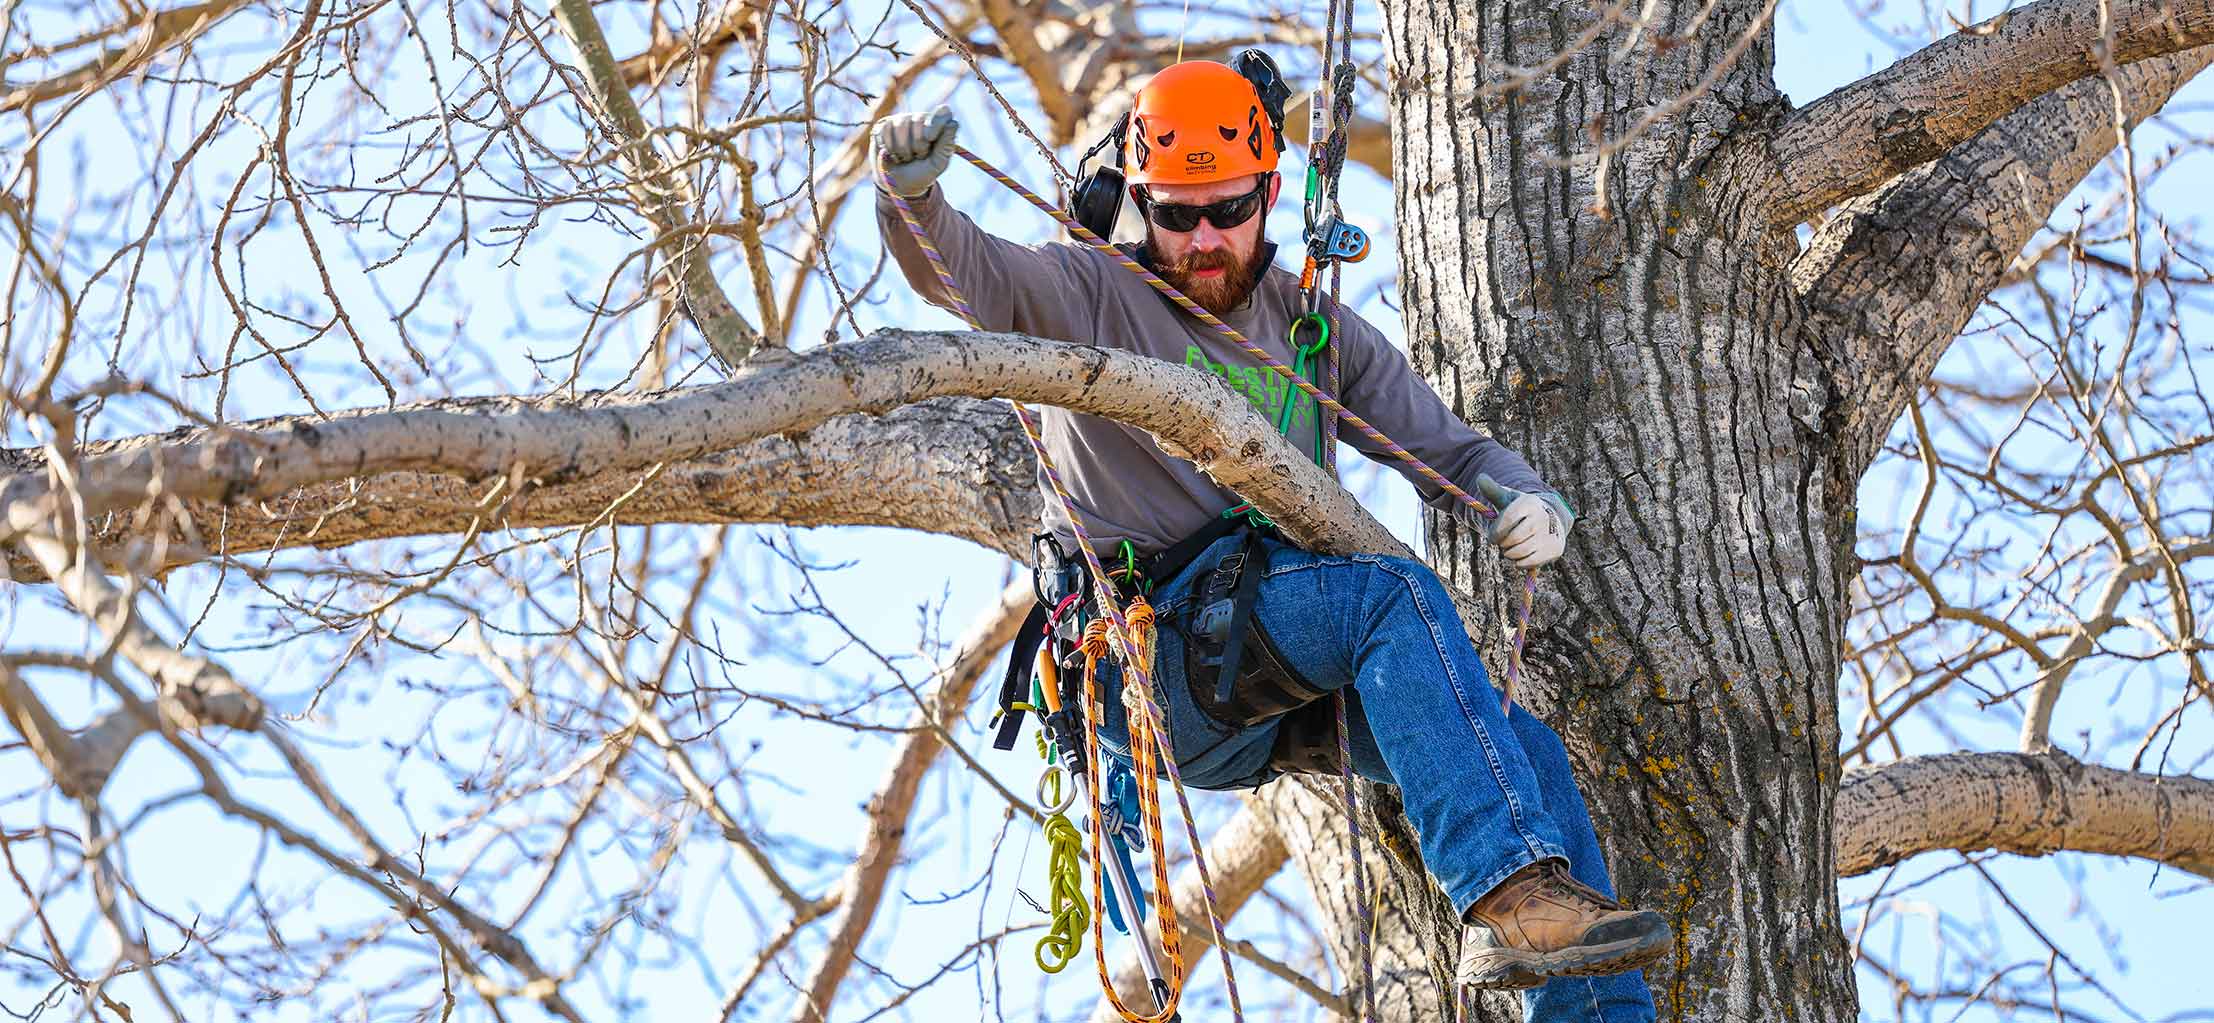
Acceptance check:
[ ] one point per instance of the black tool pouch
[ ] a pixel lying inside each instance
(1307, 741)
(1237, 675)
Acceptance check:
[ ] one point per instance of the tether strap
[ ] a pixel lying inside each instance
(1016, 686)
(1171, 562)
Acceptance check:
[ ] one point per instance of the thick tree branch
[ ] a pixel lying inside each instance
(1890, 281)
(2023, 803)
(1852, 140)
(662, 192)
(552, 441)
(957, 466)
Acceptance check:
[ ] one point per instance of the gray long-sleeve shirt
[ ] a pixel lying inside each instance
(1124, 484)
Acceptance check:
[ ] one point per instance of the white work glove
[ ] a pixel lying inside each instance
(913, 149)
(1530, 529)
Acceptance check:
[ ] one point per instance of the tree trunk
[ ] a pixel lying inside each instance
(1647, 355)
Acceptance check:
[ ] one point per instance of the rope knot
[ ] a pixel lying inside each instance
(1096, 636)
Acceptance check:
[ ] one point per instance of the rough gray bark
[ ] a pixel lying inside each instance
(1608, 292)
(1651, 365)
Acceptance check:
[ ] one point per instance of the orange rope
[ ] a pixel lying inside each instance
(1144, 738)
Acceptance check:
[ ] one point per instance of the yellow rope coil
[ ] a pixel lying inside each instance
(1071, 915)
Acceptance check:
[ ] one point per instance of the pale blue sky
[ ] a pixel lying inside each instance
(809, 781)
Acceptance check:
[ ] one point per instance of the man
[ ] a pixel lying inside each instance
(1502, 825)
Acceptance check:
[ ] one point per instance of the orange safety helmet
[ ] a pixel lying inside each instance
(1198, 121)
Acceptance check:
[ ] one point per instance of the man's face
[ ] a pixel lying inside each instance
(1217, 267)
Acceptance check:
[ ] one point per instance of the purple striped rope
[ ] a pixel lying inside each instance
(1360, 868)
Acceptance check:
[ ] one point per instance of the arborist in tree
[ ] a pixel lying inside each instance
(1502, 825)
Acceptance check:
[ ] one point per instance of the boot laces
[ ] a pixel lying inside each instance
(1559, 875)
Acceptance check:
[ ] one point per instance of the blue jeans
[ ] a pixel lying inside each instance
(1488, 793)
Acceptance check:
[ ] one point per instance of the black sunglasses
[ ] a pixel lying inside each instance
(1223, 213)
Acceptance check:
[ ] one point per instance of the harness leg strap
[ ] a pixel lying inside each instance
(1241, 615)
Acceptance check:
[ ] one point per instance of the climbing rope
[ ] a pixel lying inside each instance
(1325, 164)
(1259, 354)
(1143, 737)
(1139, 671)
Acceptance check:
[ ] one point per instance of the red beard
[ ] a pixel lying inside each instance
(1217, 294)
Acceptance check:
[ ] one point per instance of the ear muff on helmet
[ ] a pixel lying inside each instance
(1097, 198)
(1256, 67)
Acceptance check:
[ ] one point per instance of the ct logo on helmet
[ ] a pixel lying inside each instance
(1200, 161)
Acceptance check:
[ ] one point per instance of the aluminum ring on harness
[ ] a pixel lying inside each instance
(1065, 793)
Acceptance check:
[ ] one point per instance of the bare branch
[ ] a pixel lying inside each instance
(1852, 140)
(157, 32)
(196, 690)
(2037, 724)
(55, 749)
(1895, 276)
(663, 193)
(862, 888)
(734, 21)
(2028, 804)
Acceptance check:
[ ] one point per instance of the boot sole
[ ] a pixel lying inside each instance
(1510, 969)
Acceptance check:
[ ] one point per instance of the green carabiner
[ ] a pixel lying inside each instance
(1300, 364)
(1322, 335)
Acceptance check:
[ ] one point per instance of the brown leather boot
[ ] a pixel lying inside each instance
(1543, 923)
